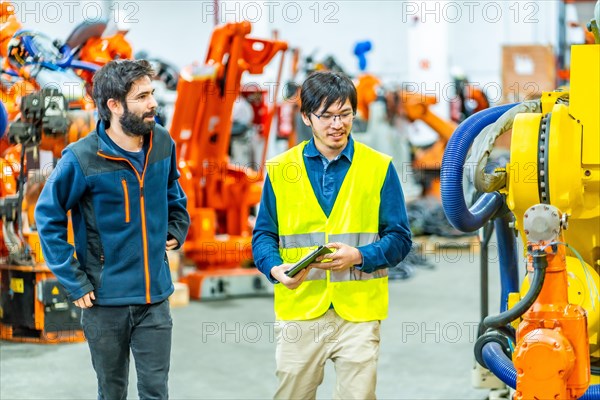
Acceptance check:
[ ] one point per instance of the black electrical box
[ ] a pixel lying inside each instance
(18, 297)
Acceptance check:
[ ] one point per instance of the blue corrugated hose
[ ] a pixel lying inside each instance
(453, 200)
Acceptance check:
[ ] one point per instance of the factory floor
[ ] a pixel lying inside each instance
(226, 349)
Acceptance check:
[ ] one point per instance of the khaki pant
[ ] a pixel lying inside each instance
(304, 346)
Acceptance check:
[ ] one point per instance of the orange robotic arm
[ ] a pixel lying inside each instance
(416, 107)
(219, 194)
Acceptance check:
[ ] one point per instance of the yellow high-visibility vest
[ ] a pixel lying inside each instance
(354, 220)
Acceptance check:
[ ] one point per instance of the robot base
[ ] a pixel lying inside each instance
(221, 284)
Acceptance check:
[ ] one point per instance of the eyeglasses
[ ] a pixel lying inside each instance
(328, 119)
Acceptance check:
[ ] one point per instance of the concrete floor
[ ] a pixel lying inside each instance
(225, 349)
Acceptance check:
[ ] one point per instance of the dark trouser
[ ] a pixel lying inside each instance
(146, 330)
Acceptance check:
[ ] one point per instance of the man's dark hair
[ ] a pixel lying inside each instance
(114, 80)
(326, 88)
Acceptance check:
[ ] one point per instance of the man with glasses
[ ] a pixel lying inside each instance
(336, 192)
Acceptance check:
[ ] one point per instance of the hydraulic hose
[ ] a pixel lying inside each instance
(540, 263)
(460, 216)
(3, 120)
(593, 393)
(501, 366)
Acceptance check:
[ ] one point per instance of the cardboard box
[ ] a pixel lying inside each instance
(527, 71)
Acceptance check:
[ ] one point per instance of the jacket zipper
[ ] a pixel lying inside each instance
(142, 210)
(126, 195)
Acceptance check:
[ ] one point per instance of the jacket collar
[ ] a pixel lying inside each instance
(104, 142)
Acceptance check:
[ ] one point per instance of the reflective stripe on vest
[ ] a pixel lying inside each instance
(302, 240)
(354, 220)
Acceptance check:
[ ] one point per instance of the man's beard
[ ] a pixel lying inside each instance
(135, 126)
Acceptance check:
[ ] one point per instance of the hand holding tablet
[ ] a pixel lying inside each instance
(307, 260)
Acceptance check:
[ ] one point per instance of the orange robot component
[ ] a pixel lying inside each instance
(99, 50)
(551, 337)
(553, 333)
(290, 105)
(9, 25)
(427, 161)
(366, 92)
(33, 306)
(11, 98)
(13, 93)
(8, 173)
(11, 89)
(81, 122)
(89, 44)
(220, 195)
(469, 100)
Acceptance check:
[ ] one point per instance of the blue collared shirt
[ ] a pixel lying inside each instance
(326, 178)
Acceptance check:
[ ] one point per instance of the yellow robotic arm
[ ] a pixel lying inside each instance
(552, 187)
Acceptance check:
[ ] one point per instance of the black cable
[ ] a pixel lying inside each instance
(23, 254)
(20, 190)
(595, 366)
(484, 290)
(540, 263)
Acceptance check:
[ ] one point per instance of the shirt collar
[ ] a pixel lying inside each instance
(310, 150)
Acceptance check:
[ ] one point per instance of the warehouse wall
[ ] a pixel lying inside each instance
(413, 41)
(57, 19)
(477, 47)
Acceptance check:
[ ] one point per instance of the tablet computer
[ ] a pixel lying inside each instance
(307, 260)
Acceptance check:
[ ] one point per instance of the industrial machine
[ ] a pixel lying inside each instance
(46, 108)
(220, 194)
(468, 100)
(413, 106)
(545, 342)
(92, 42)
(45, 86)
(33, 305)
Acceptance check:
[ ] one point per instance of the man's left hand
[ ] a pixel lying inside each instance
(172, 244)
(342, 258)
